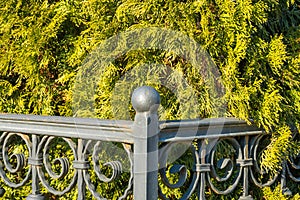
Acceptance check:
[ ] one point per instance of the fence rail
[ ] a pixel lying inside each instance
(152, 150)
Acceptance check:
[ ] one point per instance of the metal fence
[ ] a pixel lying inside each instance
(219, 151)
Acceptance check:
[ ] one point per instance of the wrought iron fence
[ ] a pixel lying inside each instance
(222, 150)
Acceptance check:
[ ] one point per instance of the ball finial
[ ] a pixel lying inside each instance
(145, 99)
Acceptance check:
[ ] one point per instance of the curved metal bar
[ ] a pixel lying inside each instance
(20, 160)
(116, 166)
(87, 146)
(64, 163)
(225, 164)
(181, 169)
(91, 186)
(294, 166)
(51, 189)
(129, 152)
(253, 154)
(195, 179)
(87, 178)
(163, 155)
(261, 185)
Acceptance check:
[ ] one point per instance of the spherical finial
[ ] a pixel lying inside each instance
(145, 99)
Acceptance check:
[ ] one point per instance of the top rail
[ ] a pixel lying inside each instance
(83, 128)
(121, 130)
(184, 130)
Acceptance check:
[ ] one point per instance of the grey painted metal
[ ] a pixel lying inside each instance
(147, 144)
(34, 161)
(84, 128)
(145, 101)
(81, 163)
(185, 130)
(246, 164)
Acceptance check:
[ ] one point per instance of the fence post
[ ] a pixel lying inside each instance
(145, 100)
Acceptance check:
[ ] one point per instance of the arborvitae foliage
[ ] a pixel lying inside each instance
(254, 44)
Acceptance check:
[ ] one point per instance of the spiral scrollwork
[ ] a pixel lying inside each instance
(255, 169)
(64, 164)
(19, 159)
(180, 170)
(115, 166)
(226, 165)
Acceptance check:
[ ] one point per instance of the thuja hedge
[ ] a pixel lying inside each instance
(254, 44)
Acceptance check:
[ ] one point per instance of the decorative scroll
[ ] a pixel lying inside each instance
(181, 170)
(256, 169)
(43, 148)
(205, 165)
(7, 141)
(70, 170)
(227, 165)
(116, 168)
(191, 167)
(227, 161)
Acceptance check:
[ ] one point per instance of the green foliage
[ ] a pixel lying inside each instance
(281, 148)
(254, 44)
(276, 194)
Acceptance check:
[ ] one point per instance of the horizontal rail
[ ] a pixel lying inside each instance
(185, 130)
(81, 128)
(121, 130)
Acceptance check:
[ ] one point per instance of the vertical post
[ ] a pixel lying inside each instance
(35, 161)
(145, 100)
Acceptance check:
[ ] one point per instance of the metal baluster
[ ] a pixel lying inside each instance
(203, 168)
(245, 164)
(35, 161)
(80, 165)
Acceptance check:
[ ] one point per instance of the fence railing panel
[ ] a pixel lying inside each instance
(148, 157)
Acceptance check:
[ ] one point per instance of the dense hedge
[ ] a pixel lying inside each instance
(255, 45)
